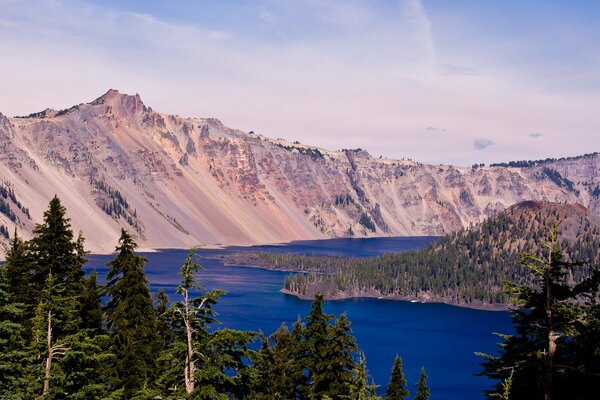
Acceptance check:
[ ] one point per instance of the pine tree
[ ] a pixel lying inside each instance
(329, 353)
(53, 251)
(397, 389)
(56, 252)
(16, 358)
(422, 388)
(54, 312)
(195, 314)
(18, 268)
(552, 355)
(131, 319)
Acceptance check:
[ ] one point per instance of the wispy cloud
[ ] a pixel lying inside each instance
(434, 129)
(322, 72)
(535, 135)
(482, 143)
(450, 69)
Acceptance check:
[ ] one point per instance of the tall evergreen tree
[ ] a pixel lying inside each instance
(55, 250)
(422, 388)
(546, 357)
(131, 319)
(397, 389)
(329, 353)
(195, 315)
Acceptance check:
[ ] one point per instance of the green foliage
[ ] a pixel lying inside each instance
(422, 388)
(16, 367)
(315, 154)
(397, 390)
(467, 267)
(130, 319)
(533, 163)
(316, 360)
(559, 180)
(91, 305)
(8, 196)
(367, 222)
(555, 321)
(53, 250)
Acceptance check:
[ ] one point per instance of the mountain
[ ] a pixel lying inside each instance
(467, 267)
(176, 182)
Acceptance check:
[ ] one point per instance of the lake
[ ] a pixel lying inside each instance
(440, 337)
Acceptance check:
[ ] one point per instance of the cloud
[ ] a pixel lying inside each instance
(482, 143)
(535, 135)
(434, 129)
(451, 69)
(321, 72)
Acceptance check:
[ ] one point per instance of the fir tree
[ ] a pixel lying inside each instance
(422, 388)
(195, 314)
(397, 389)
(53, 251)
(18, 267)
(131, 319)
(56, 252)
(554, 323)
(16, 359)
(330, 351)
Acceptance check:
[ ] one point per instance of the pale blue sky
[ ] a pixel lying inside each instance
(438, 81)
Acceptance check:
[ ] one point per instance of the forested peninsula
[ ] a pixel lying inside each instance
(466, 268)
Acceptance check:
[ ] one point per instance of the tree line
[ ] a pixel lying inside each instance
(65, 336)
(467, 267)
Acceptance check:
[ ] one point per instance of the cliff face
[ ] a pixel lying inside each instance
(177, 182)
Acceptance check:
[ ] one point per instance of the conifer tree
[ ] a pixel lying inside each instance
(278, 367)
(329, 353)
(422, 388)
(54, 312)
(131, 319)
(18, 268)
(546, 359)
(56, 252)
(397, 389)
(16, 369)
(164, 326)
(194, 313)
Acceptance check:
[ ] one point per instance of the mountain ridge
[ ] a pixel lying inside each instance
(177, 182)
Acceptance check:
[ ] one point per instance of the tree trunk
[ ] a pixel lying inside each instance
(190, 366)
(49, 358)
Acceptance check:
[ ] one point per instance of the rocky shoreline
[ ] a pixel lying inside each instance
(252, 260)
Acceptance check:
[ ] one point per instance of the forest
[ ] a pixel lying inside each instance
(63, 335)
(467, 267)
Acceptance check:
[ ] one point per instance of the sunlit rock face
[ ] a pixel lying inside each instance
(176, 182)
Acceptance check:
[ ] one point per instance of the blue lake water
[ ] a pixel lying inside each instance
(439, 337)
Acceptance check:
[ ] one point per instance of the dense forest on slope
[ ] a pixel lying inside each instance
(466, 268)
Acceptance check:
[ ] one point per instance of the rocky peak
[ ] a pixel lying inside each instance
(120, 103)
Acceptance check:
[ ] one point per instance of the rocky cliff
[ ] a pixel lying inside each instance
(176, 182)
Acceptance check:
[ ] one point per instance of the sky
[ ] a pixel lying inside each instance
(436, 81)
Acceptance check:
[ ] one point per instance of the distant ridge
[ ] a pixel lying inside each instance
(176, 182)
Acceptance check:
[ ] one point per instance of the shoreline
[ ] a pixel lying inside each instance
(344, 296)
(374, 295)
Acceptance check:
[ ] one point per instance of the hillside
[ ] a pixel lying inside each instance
(176, 182)
(463, 268)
